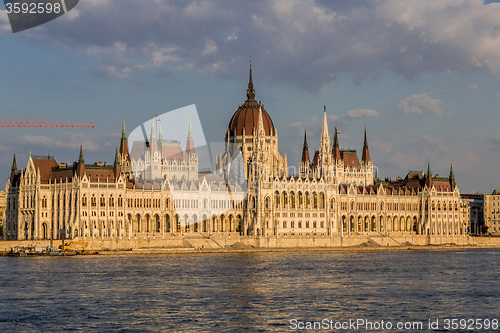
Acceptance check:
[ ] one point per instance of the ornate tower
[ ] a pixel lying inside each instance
(305, 163)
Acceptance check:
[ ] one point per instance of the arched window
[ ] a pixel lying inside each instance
(277, 199)
(292, 199)
(321, 200)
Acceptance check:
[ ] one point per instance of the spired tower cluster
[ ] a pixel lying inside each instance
(250, 196)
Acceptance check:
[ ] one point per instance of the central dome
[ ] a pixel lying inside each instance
(247, 115)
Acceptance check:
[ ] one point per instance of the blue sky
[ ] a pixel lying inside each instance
(421, 75)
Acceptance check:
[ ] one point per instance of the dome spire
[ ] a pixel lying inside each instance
(250, 90)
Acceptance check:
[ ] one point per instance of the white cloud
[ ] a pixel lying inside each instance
(361, 113)
(210, 47)
(421, 103)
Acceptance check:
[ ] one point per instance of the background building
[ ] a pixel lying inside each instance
(492, 212)
(476, 213)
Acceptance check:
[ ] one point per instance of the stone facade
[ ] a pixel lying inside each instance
(251, 195)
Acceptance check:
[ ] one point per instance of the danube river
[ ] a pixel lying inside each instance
(253, 292)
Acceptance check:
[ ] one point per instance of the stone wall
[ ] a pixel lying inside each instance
(179, 243)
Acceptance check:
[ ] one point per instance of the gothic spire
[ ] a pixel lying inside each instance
(324, 132)
(124, 134)
(117, 157)
(428, 178)
(123, 142)
(14, 164)
(190, 142)
(80, 158)
(250, 90)
(152, 139)
(336, 146)
(305, 151)
(366, 154)
(452, 177)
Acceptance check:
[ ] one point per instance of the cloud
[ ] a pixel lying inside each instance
(361, 113)
(308, 43)
(421, 103)
(472, 86)
(495, 142)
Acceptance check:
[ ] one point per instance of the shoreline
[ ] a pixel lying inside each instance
(298, 249)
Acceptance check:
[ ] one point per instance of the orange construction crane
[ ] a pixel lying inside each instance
(33, 123)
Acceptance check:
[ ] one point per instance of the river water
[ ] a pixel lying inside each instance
(251, 292)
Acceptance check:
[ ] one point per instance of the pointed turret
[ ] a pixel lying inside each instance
(336, 146)
(123, 142)
(152, 137)
(324, 132)
(428, 176)
(260, 123)
(80, 158)
(14, 165)
(190, 142)
(116, 165)
(80, 167)
(14, 170)
(452, 177)
(250, 90)
(305, 151)
(366, 154)
(325, 154)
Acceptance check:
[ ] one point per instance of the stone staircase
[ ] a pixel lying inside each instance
(199, 241)
(384, 240)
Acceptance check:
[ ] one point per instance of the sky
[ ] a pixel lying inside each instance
(421, 76)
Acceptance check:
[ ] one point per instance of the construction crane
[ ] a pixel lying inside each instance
(33, 123)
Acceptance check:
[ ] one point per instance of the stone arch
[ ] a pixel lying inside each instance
(314, 200)
(267, 203)
(45, 231)
(332, 203)
(205, 223)
(239, 223)
(177, 223)
(277, 199)
(389, 224)
(222, 221)
(321, 200)
(373, 226)
(284, 197)
(147, 221)
(352, 223)
(157, 223)
(137, 223)
(194, 223)
(344, 223)
(231, 223)
(185, 223)
(167, 227)
(292, 200)
(408, 224)
(300, 200)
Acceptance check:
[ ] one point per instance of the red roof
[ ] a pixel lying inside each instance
(247, 116)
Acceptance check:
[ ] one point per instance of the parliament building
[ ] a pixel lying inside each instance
(154, 191)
